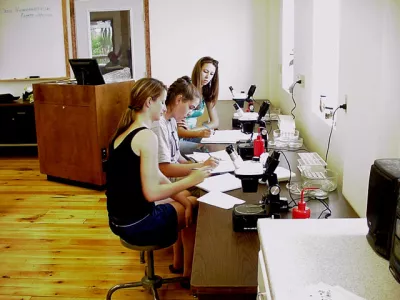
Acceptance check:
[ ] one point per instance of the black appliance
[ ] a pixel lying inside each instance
(383, 195)
(245, 216)
(7, 98)
(86, 71)
(394, 264)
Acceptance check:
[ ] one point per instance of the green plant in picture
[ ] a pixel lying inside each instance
(102, 42)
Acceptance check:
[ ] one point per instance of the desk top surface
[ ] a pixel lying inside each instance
(225, 261)
(17, 103)
(333, 251)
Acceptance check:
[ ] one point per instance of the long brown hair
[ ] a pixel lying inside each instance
(141, 91)
(211, 90)
(182, 86)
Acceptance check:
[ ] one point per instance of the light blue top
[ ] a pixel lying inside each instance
(191, 119)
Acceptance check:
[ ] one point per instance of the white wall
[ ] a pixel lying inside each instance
(235, 32)
(369, 74)
(232, 31)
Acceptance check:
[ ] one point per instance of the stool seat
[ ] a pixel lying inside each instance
(141, 248)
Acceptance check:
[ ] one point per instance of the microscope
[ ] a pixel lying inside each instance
(240, 99)
(245, 148)
(245, 216)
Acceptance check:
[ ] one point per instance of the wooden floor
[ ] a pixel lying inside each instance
(55, 242)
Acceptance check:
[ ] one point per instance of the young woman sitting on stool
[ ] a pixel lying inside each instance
(182, 98)
(134, 181)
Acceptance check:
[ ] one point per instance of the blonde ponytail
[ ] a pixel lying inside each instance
(142, 90)
(127, 118)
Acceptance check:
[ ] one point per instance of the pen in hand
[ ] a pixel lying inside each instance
(206, 126)
(213, 157)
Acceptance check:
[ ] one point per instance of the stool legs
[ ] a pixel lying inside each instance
(150, 265)
(150, 281)
(122, 286)
(142, 261)
(155, 293)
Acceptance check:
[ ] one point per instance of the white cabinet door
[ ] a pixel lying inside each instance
(263, 286)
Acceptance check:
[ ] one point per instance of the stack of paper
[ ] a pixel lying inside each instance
(227, 137)
(220, 200)
(220, 183)
(323, 291)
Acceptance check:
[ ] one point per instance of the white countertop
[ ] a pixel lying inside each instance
(298, 253)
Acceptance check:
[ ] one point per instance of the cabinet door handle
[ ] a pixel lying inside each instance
(21, 113)
(63, 106)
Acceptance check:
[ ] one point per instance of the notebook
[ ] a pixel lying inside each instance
(220, 183)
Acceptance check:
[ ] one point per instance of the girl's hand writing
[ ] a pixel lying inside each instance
(211, 162)
(205, 133)
(199, 175)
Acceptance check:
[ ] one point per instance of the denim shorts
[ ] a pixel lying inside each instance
(160, 228)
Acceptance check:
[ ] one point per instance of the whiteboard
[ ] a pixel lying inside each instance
(32, 39)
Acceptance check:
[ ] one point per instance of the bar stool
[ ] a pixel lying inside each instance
(150, 281)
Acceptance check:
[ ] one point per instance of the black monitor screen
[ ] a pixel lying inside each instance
(87, 71)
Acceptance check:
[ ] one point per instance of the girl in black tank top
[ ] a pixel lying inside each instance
(134, 181)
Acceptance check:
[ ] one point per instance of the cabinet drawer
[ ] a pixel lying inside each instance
(17, 125)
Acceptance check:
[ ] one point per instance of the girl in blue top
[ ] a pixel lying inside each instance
(205, 78)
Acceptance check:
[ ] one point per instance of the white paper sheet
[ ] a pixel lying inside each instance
(219, 199)
(203, 156)
(220, 183)
(227, 137)
(225, 163)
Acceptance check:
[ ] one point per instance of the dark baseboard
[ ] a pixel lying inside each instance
(77, 183)
(16, 151)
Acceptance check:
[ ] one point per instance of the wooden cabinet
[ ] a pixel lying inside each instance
(17, 124)
(74, 125)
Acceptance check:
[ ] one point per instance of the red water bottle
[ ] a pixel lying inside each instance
(258, 146)
(302, 211)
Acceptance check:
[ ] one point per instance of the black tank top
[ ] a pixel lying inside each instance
(126, 202)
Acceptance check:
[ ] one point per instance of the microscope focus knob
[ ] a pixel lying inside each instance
(275, 190)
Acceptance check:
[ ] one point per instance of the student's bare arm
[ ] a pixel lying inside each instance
(178, 170)
(146, 144)
(213, 115)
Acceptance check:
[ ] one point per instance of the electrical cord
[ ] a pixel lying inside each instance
(290, 179)
(330, 134)
(343, 106)
(291, 89)
(291, 112)
(326, 209)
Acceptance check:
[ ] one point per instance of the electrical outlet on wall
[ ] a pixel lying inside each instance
(302, 78)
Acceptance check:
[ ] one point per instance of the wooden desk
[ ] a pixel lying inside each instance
(225, 262)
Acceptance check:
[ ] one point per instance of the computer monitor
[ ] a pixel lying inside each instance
(87, 71)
